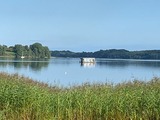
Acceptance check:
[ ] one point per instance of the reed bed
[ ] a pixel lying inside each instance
(24, 99)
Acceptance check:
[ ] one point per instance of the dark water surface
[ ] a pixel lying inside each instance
(68, 71)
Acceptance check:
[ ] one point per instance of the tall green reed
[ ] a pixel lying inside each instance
(24, 99)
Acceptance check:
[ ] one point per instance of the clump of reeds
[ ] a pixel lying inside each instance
(24, 99)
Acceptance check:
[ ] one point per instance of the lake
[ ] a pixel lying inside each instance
(68, 71)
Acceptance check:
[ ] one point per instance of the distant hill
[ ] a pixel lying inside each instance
(111, 53)
(35, 50)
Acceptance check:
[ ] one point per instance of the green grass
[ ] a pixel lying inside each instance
(9, 54)
(24, 99)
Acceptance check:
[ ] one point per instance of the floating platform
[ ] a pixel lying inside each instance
(87, 60)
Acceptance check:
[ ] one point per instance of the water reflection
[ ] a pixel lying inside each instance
(88, 65)
(34, 64)
(127, 63)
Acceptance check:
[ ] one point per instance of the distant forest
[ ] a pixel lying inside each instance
(35, 50)
(111, 53)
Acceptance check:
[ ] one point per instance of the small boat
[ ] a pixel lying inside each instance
(22, 56)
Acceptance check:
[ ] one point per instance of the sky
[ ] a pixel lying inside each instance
(81, 25)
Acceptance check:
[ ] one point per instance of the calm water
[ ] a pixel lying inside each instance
(68, 71)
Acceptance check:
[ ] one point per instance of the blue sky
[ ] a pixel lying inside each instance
(81, 25)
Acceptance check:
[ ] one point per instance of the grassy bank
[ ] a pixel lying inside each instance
(23, 99)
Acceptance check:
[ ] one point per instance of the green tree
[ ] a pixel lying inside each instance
(18, 49)
(2, 50)
(39, 51)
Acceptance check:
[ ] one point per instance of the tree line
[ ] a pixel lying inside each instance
(111, 53)
(35, 50)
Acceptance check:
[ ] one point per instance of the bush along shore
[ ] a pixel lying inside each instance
(24, 99)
